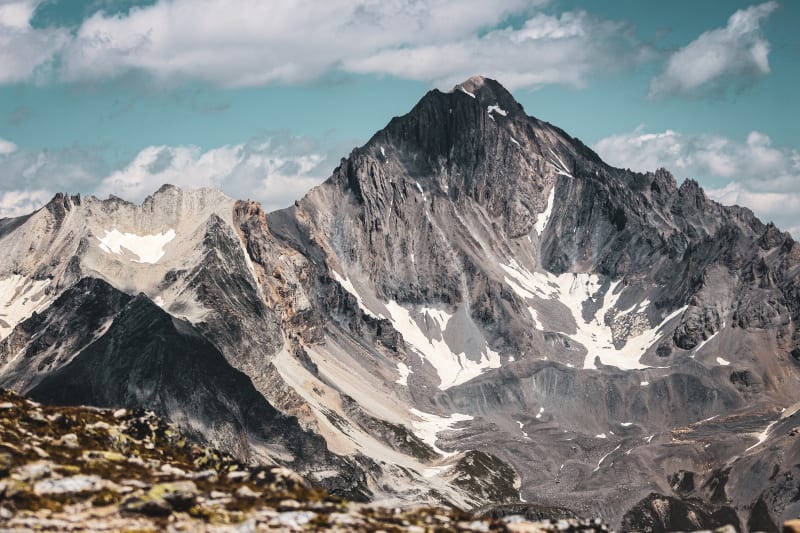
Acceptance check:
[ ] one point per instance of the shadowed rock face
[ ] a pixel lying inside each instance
(473, 291)
(149, 359)
(659, 514)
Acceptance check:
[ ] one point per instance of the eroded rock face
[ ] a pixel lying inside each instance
(658, 514)
(472, 284)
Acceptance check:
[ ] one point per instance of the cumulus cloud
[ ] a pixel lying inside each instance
(263, 42)
(74, 168)
(25, 51)
(750, 172)
(30, 178)
(6, 147)
(275, 171)
(733, 55)
(563, 49)
(18, 203)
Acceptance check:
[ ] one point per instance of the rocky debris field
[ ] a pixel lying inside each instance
(85, 469)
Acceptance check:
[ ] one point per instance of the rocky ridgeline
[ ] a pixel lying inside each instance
(78, 468)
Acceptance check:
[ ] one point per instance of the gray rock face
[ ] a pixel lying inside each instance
(473, 308)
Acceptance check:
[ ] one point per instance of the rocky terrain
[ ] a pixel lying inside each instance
(80, 469)
(473, 310)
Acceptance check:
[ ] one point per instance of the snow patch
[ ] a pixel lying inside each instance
(513, 140)
(463, 90)
(544, 217)
(644, 383)
(626, 424)
(723, 362)
(496, 109)
(19, 298)
(383, 151)
(600, 462)
(404, 372)
(600, 436)
(429, 425)
(559, 167)
(572, 290)
(348, 286)
(453, 369)
(700, 346)
(149, 248)
(763, 435)
(521, 425)
(159, 301)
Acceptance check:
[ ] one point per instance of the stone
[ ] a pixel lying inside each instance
(146, 506)
(791, 526)
(180, 495)
(69, 485)
(33, 471)
(6, 462)
(238, 475)
(69, 440)
(246, 493)
(295, 520)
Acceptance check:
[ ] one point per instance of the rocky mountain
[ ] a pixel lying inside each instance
(473, 309)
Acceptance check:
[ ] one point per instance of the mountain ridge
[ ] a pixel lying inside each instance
(472, 286)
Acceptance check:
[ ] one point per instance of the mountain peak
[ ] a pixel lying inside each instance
(474, 82)
(490, 92)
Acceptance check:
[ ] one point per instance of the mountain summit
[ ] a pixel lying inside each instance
(473, 309)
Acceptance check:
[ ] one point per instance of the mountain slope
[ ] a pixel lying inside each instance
(507, 255)
(472, 292)
(149, 359)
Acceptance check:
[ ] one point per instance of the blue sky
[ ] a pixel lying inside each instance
(262, 97)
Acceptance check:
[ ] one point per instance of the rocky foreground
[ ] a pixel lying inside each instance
(86, 469)
(79, 469)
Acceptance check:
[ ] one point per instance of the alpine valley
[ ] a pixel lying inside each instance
(474, 310)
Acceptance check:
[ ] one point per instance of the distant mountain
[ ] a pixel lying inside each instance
(474, 308)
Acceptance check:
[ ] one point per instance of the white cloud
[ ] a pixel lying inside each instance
(263, 42)
(266, 41)
(6, 147)
(17, 13)
(563, 49)
(71, 169)
(274, 171)
(25, 51)
(735, 55)
(17, 203)
(752, 172)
